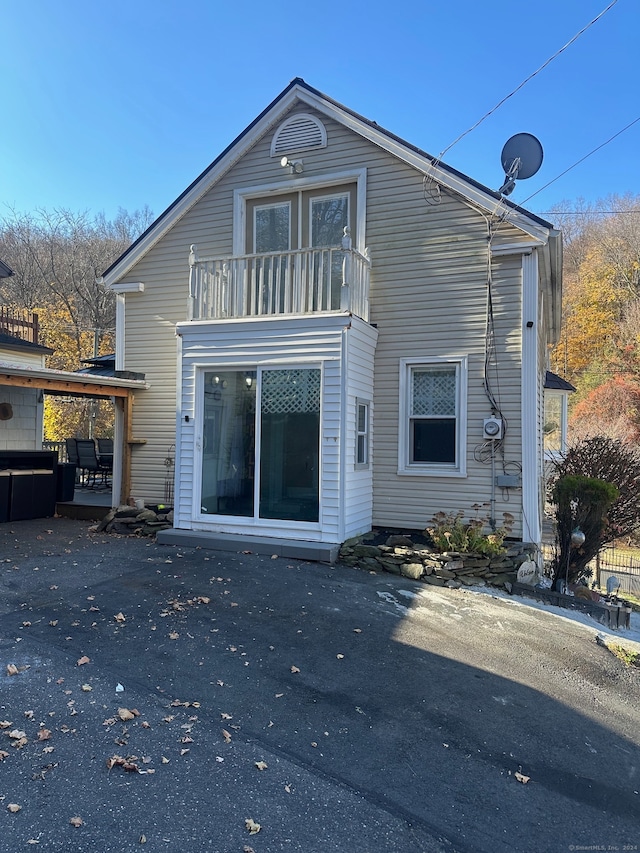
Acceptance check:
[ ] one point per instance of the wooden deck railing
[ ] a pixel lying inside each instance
(19, 324)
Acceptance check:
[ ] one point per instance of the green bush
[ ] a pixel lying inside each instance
(580, 502)
(450, 532)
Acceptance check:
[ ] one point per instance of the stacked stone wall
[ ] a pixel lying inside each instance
(401, 556)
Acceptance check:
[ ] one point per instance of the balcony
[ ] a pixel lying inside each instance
(19, 324)
(306, 281)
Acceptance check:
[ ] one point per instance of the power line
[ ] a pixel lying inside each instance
(581, 160)
(527, 79)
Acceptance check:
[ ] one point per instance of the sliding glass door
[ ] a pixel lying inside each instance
(261, 444)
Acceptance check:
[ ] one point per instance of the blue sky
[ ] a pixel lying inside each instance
(122, 104)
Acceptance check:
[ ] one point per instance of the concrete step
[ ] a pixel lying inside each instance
(295, 549)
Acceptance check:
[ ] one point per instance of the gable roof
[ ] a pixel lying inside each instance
(299, 90)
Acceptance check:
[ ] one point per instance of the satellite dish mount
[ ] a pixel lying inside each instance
(521, 158)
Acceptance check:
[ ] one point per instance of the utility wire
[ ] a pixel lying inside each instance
(525, 81)
(581, 160)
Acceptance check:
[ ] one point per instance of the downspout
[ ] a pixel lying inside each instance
(531, 521)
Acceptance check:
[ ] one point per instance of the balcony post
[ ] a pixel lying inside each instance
(345, 290)
(193, 273)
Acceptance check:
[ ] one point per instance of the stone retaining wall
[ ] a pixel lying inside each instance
(130, 520)
(401, 556)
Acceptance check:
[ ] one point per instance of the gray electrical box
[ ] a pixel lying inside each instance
(508, 481)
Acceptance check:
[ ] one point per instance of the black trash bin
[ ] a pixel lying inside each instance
(66, 481)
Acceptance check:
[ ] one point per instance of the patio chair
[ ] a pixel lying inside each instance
(105, 456)
(72, 450)
(88, 460)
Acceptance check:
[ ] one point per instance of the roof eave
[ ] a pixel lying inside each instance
(444, 175)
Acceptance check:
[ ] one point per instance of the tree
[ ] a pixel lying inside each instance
(57, 258)
(612, 461)
(582, 504)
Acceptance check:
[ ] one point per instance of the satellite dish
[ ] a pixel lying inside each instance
(521, 158)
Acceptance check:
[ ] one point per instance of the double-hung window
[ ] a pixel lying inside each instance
(432, 417)
(362, 434)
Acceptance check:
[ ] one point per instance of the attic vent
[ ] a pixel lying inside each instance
(299, 133)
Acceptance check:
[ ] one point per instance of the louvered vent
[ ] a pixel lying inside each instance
(299, 133)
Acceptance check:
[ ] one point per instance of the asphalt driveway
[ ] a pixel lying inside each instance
(337, 710)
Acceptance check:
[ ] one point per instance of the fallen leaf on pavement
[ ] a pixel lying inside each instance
(76, 821)
(226, 735)
(12, 669)
(125, 714)
(120, 617)
(3, 755)
(5, 724)
(174, 635)
(261, 765)
(340, 657)
(86, 688)
(252, 826)
(521, 777)
(13, 808)
(44, 734)
(84, 659)
(294, 669)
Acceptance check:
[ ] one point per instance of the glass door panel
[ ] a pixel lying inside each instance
(228, 451)
(290, 444)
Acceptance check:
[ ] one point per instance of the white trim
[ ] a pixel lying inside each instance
(362, 466)
(233, 523)
(258, 191)
(120, 328)
(422, 162)
(177, 469)
(531, 521)
(128, 287)
(522, 248)
(425, 470)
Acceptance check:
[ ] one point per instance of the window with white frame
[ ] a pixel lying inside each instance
(433, 417)
(362, 433)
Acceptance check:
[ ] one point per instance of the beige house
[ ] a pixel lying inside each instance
(338, 332)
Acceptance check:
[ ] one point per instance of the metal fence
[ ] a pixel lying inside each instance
(611, 562)
(621, 565)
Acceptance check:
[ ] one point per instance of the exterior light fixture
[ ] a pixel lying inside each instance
(296, 167)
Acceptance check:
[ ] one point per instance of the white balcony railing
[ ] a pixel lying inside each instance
(308, 281)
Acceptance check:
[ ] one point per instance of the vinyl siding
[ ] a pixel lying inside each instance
(428, 299)
(23, 431)
(358, 495)
(316, 341)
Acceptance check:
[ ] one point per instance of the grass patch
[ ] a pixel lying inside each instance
(626, 656)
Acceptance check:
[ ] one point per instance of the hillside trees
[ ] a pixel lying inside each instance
(57, 257)
(599, 351)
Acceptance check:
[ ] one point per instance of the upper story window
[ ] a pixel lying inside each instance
(432, 417)
(301, 132)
